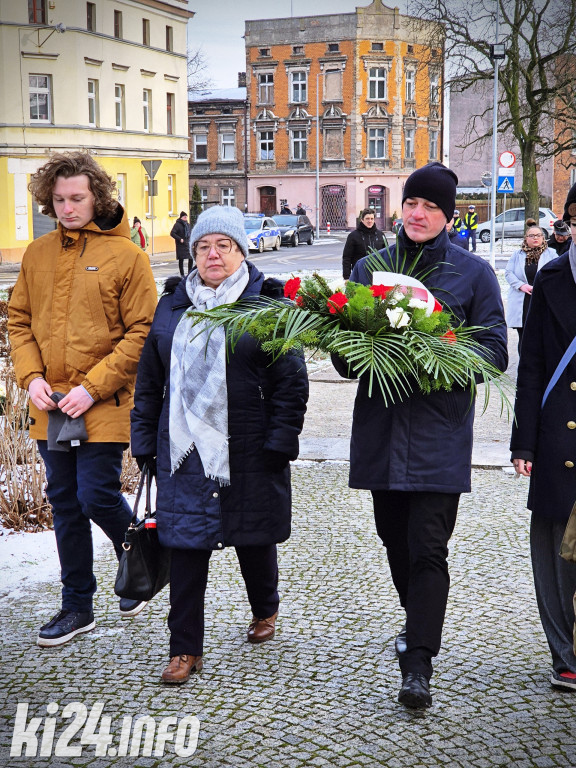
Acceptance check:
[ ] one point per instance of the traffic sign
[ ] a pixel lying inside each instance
(507, 159)
(505, 183)
(151, 167)
(486, 179)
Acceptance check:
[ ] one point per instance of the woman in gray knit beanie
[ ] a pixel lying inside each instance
(221, 428)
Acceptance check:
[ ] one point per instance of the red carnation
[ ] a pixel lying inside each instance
(336, 302)
(449, 336)
(437, 306)
(380, 291)
(292, 287)
(299, 301)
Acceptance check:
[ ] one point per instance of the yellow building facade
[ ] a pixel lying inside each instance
(109, 77)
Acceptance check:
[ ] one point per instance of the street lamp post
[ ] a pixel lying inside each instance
(497, 53)
(317, 155)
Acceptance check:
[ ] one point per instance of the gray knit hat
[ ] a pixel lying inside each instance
(224, 220)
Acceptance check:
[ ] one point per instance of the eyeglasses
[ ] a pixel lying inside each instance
(536, 234)
(223, 247)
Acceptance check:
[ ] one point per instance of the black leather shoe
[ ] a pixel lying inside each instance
(400, 642)
(415, 691)
(129, 608)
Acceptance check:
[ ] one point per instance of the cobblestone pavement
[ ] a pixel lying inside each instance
(323, 692)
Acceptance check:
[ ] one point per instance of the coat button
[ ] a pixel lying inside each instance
(571, 425)
(569, 464)
(215, 495)
(573, 385)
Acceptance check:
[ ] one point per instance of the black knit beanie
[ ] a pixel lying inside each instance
(436, 183)
(570, 207)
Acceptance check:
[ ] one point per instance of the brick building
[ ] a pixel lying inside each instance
(217, 127)
(376, 84)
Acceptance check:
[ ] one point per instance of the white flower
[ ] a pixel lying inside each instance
(418, 304)
(398, 317)
(337, 285)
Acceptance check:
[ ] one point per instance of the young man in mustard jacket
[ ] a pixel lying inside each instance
(77, 320)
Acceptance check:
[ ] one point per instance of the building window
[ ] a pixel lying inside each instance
(118, 24)
(299, 144)
(410, 81)
(145, 31)
(410, 48)
(227, 196)
(147, 197)
(121, 189)
(228, 146)
(377, 83)
(169, 39)
(264, 51)
(377, 46)
(37, 11)
(171, 194)
(266, 145)
(93, 106)
(119, 106)
(266, 88)
(147, 109)
(434, 87)
(200, 146)
(170, 114)
(409, 143)
(40, 98)
(333, 47)
(298, 49)
(572, 177)
(377, 143)
(333, 145)
(204, 198)
(299, 87)
(433, 145)
(91, 17)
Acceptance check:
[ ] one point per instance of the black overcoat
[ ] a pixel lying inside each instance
(547, 436)
(424, 443)
(266, 406)
(181, 231)
(358, 244)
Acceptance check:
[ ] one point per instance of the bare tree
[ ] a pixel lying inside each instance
(198, 77)
(537, 78)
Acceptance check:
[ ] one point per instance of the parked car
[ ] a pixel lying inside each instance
(295, 229)
(396, 224)
(514, 224)
(261, 231)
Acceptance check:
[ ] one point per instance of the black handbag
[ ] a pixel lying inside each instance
(144, 567)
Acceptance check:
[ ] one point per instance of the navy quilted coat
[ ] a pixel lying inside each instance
(424, 443)
(266, 406)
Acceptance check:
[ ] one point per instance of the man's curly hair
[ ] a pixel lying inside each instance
(67, 164)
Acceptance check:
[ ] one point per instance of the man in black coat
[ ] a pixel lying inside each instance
(181, 234)
(364, 238)
(415, 455)
(560, 238)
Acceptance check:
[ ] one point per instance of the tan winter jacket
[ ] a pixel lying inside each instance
(79, 314)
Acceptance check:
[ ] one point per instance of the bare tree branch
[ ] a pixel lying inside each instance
(198, 77)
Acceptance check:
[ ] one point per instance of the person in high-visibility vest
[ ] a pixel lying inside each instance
(471, 224)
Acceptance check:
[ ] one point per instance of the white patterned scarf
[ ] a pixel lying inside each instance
(198, 394)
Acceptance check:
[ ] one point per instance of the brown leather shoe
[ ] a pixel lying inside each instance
(261, 630)
(180, 667)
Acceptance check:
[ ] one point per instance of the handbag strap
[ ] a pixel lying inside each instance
(143, 484)
(566, 357)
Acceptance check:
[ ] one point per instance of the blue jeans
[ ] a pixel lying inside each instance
(84, 485)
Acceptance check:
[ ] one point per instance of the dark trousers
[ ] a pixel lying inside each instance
(181, 266)
(415, 528)
(555, 584)
(188, 579)
(84, 485)
(471, 236)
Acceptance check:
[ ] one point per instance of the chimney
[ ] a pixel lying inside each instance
(241, 79)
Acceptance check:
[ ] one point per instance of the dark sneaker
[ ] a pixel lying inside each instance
(64, 626)
(566, 680)
(130, 608)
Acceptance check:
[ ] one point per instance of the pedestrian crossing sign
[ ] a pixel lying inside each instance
(505, 183)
